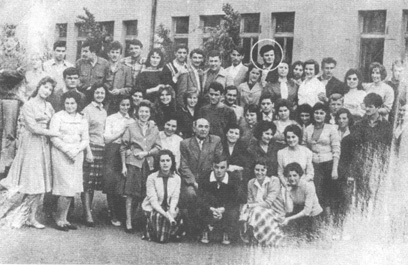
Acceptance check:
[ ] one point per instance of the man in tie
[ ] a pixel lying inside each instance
(267, 104)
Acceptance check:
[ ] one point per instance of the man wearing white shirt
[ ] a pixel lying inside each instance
(237, 72)
(267, 104)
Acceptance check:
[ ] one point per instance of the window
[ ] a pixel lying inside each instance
(283, 25)
(372, 34)
(107, 26)
(405, 33)
(180, 29)
(62, 31)
(130, 27)
(208, 22)
(250, 30)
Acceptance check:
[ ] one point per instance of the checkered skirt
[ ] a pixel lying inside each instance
(93, 171)
(159, 228)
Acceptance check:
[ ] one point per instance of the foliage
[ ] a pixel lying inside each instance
(225, 36)
(163, 40)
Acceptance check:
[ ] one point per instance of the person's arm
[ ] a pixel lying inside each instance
(151, 194)
(309, 172)
(124, 150)
(32, 125)
(335, 147)
(280, 166)
(127, 76)
(108, 136)
(174, 199)
(185, 170)
(273, 189)
(307, 209)
(388, 100)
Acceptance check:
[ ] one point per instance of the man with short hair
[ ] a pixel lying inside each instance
(237, 72)
(55, 66)
(135, 60)
(332, 84)
(119, 78)
(219, 196)
(336, 102)
(215, 73)
(92, 68)
(394, 82)
(267, 104)
(217, 113)
(172, 70)
(231, 95)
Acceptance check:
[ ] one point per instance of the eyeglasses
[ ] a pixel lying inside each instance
(352, 79)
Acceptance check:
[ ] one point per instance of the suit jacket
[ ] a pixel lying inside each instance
(186, 82)
(155, 192)
(196, 163)
(220, 78)
(239, 78)
(239, 154)
(334, 86)
(121, 79)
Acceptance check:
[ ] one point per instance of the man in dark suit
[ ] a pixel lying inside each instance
(333, 85)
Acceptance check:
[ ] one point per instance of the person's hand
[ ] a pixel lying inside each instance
(285, 222)
(124, 171)
(141, 155)
(283, 181)
(383, 111)
(232, 168)
(221, 210)
(195, 185)
(115, 91)
(89, 157)
(335, 174)
(308, 178)
(350, 181)
(322, 97)
(71, 154)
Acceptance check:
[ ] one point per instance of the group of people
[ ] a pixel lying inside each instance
(268, 150)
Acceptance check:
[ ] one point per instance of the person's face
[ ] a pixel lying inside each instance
(215, 96)
(254, 75)
(165, 97)
(137, 97)
(371, 110)
(202, 128)
(135, 50)
(328, 69)
(251, 118)
(298, 71)
(144, 114)
(85, 53)
(376, 75)
(292, 139)
(335, 105)
(236, 58)
(402, 111)
(260, 172)
(231, 96)
(269, 57)
(197, 60)
(214, 63)
(266, 105)
(283, 113)
(59, 53)
(114, 55)
(283, 69)
(220, 169)
(192, 100)
(70, 105)
(170, 127)
(165, 163)
(352, 81)
(45, 90)
(10, 44)
(155, 59)
(36, 62)
(305, 118)
(343, 120)
(99, 95)
(397, 72)
(181, 55)
(293, 178)
(309, 71)
(71, 81)
(319, 116)
(267, 136)
(124, 106)
(232, 136)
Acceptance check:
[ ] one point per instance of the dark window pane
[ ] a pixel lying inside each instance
(285, 22)
(247, 44)
(211, 21)
(251, 23)
(372, 50)
(131, 28)
(181, 25)
(108, 27)
(81, 31)
(62, 30)
(287, 47)
(78, 51)
(374, 21)
(181, 41)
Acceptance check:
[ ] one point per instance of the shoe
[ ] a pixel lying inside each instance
(71, 227)
(129, 231)
(115, 222)
(225, 239)
(204, 238)
(62, 228)
(36, 224)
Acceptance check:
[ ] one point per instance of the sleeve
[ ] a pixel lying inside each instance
(128, 81)
(29, 119)
(108, 127)
(186, 172)
(335, 142)
(251, 196)
(126, 141)
(151, 192)
(84, 136)
(281, 157)
(176, 195)
(56, 141)
(218, 148)
(309, 164)
(388, 97)
(310, 196)
(167, 76)
(273, 190)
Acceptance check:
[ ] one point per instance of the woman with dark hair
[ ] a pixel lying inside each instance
(270, 63)
(304, 115)
(115, 126)
(162, 196)
(68, 156)
(250, 91)
(283, 87)
(378, 86)
(140, 143)
(138, 95)
(324, 141)
(247, 125)
(295, 152)
(303, 221)
(344, 121)
(265, 208)
(30, 173)
(311, 90)
(297, 72)
(283, 109)
(264, 146)
(188, 114)
(165, 105)
(95, 115)
(149, 79)
(353, 99)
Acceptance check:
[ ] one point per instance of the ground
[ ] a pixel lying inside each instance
(107, 244)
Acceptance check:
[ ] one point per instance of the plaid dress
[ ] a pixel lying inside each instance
(93, 171)
(159, 228)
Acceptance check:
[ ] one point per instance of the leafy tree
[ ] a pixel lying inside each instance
(163, 40)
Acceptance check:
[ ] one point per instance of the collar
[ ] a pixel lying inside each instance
(135, 60)
(127, 116)
(224, 180)
(176, 63)
(236, 67)
(266, 180)
(161, 175)
(97, 105)
(54, 62)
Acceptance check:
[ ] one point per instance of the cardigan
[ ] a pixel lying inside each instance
(249, 96)
(327, 146)
(303, 156)
(305, 195)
